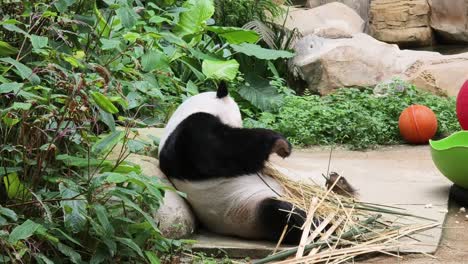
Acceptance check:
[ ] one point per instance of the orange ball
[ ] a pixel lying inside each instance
(417, 124)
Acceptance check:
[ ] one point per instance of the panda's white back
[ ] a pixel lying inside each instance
(225, 108)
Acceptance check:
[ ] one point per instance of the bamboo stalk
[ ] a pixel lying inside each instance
(307, 226)
(320, 228)
(289, 252)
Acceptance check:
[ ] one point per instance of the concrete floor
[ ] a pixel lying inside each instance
(401, 175)
(453, 248)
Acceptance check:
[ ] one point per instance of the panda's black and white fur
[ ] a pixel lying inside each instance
(207, 154)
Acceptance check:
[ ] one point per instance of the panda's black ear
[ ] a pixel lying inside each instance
(222, 90)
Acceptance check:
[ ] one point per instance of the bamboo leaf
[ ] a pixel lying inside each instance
(69, 252)
(81, 162)
(104, 28)
(23, 231)
(129, 243)
(105, 144)
(152, 257)
(104, 103)
(101, 214)
(74, 210)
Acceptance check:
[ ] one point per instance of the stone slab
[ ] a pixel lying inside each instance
(402, 176)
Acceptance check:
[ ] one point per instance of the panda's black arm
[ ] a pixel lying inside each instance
(229, 152)
(204, 148)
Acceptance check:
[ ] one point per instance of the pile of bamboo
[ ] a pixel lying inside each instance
(348, 228)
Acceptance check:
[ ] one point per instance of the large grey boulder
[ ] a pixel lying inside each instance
(328, 64)
(330, 16)
(360, 6)
(450, 19)
(175, 218)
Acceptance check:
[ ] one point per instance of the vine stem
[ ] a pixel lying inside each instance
(44, 201)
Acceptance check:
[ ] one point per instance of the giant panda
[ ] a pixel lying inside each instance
(207, 155)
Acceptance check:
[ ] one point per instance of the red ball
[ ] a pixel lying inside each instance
(417, 124)
(462, 106)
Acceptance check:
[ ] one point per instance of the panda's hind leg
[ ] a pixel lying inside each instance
(275, 214)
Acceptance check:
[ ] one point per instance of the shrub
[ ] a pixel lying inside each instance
(72, 72)
(353, 117)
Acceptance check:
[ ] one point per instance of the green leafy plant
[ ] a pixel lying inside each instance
(237, 13)
(75, 78)
(354, 117)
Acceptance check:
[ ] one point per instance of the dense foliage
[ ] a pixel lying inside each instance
(237, 13)
(354, 117)
(72, 73)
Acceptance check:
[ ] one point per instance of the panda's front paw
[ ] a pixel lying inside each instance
(282, 147)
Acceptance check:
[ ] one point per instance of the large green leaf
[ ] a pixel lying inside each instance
(108, 44)
(15, 189)
(105, 144)
(39, 42)
(220, 70)
(24, 71)
(62, 5)
(260, 94)
(261, 53)
(235, 35)
(23, 231)
(193, 20)
(74, 209)
(12, 87)
(127, 16)
(155, 60)
(6, 49)
(8, 213)
(104, 103)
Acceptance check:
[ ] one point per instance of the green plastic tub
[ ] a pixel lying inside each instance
(450, 155)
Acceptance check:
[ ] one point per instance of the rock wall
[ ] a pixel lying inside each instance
(403, 22)
(449, 18)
